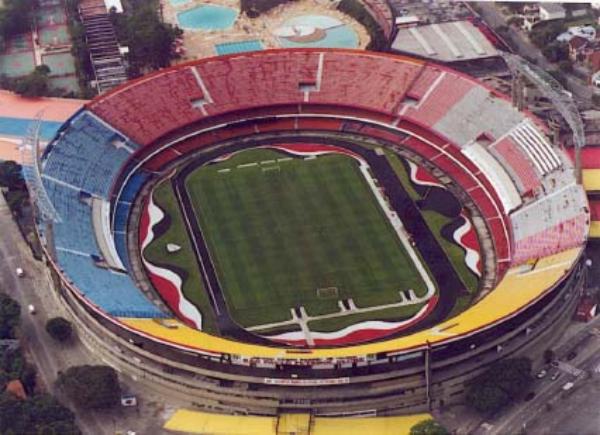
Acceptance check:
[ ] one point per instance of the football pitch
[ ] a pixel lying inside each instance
(289, 232)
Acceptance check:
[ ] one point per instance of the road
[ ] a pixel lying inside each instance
(550, 399)
(48, 356)
(521, 45)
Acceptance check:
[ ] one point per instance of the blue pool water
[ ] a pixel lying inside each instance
(320, 21)
(207, 17)
(238, 47)
(337, 37)
(179, 2)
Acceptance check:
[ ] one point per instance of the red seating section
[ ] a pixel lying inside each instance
(595, 209)
(146, 112)
(520, 165)
(565, 235)
(590, 157)
(350, 82)
(449, 91)
(423, 83)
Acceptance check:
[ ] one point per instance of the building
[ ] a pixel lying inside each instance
(551, 11)
(577, 45)
(455, 41)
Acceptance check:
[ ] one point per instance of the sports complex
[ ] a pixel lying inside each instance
(317, 231)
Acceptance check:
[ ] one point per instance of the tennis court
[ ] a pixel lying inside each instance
(51, 16)
(56, 35)
(17, 64)
(60, 64)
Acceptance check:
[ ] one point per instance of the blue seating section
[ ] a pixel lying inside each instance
(113, 292)
(133, 186)
(121, 245)
(88, 155)
(75, 231)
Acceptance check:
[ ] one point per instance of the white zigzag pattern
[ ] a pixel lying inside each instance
(186, 308)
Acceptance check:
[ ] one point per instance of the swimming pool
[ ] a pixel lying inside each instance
(179, 2)
(338, 37)
(238, 47)
(207, 17)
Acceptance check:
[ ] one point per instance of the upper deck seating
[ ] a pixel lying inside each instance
(517, 164)
(87, 156)
(536, 146)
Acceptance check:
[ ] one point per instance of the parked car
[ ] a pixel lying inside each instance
(20, 272)
(541, 374)
(555, 376)
(568, 386)
(31, 309)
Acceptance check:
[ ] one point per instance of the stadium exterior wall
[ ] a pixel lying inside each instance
(395, 387)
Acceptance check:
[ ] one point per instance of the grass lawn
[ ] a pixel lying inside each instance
(156, 253)
(436, 222)
(277, 236)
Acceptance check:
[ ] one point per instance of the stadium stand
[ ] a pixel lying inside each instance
(280, 93)
(113, 292)
(595, 217)
(517, 164)
(89, 156)
(552, 224)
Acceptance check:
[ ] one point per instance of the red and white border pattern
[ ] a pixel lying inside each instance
(165, 281)
(466, 237)
(357, 333)
(420, 176)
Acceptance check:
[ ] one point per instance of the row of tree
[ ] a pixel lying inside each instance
(16, 16)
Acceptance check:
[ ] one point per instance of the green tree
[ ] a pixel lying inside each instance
(500, 385)
(35, 84)
(59, 328)
(356, 10)
(10, 315)
(91, 387)
(428, 427)
(41, 414)
(150, 41)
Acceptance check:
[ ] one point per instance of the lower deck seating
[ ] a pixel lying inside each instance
(115, 293)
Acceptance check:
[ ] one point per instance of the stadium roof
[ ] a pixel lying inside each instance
(445, 42)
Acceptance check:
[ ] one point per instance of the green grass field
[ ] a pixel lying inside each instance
(277, 236)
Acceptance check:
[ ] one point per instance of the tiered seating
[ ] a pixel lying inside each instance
(128, 194)
(549, 225)
(113, 292)
(424, 82)
(480, 114)
(352, 82)
(536, 146)
(88, 156)
(518, 165)
(133, 110)
(448, 91)
(567, 234)
(74, 232)
(381, 11)
(247, 81)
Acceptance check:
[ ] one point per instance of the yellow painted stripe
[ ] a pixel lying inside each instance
(591, 179)
(195, 422)
(595, 229)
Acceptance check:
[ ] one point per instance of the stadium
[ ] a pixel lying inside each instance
(330, 232)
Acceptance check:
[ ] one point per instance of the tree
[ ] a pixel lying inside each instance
(500, 385)
(428, 427)
(10, 314)
(41, 414)
(91, 387)
(59, 328)
(35, 84)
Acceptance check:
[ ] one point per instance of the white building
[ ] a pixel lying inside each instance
(551, 11)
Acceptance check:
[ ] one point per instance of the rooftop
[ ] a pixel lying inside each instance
(552, 7)
(446, 42)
